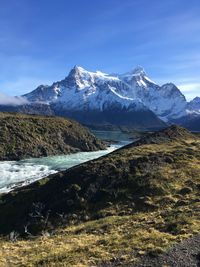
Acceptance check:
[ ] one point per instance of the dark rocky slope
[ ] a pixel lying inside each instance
(24, 136)
(115, 118)
(37, 109)
(108, 119)
(191, 122)
(136, 201)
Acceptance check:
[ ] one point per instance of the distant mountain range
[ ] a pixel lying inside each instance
(123, 100)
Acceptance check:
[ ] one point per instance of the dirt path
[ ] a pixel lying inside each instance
(185, 254)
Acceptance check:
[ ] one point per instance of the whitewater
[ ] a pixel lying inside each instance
(19, 173)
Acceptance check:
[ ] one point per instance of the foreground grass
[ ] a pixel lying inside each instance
(87, 244)
(165, 211)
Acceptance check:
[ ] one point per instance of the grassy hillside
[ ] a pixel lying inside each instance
(24, 136)
(137, 201)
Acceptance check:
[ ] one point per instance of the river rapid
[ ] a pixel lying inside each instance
(19, 173)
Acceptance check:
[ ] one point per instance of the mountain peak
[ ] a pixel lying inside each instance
(77, 69)
(169, 86)
(138, 71)
(95, 90)
(194, 106)
(196, 99)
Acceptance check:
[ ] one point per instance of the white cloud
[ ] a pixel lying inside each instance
(12, 100)
(189, 87)
(190, 90)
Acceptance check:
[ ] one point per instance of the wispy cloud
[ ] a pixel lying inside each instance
(12, 100)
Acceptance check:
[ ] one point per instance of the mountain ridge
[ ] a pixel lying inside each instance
(95, 97)
(98, 90)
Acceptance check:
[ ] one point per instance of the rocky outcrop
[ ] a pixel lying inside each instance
(24, 136)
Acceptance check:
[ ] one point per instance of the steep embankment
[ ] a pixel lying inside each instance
(137, 201)
(24, 136)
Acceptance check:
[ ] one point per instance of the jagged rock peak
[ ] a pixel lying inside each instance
(76, 70)
(196, 99)
(169, 86)
(139, 71)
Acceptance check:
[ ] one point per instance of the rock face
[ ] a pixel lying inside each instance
(24, 136)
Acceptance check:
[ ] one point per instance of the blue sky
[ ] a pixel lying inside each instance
(41, 40)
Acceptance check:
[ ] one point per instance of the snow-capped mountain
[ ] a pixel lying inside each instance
(165, 101)
(85, 90)
(192, 118)
(193, 107)
(96, 98)
(82, 90)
